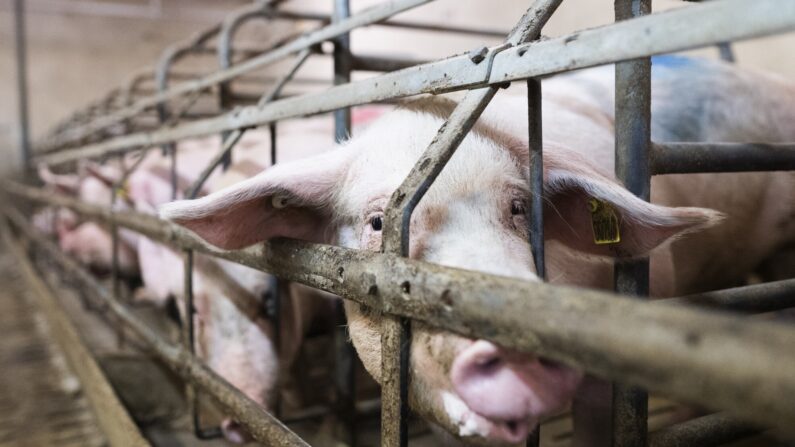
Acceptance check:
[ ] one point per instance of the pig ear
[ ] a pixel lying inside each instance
(583, 209)
(288, 200)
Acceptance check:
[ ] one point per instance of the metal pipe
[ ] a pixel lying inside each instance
(345, 354)
(259, 423)
(301, 15)
(366, 17)
(691, 158)
(743, 365)
(633, 141)
(706, 431)
(707, 23)
(758, 298)
(396, 332)
(20, 40)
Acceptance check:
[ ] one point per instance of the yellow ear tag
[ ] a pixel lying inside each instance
(604, 222)
(121, 192)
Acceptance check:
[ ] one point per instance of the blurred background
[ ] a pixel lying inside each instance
(78, 50)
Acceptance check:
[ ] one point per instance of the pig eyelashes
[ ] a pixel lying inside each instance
(517, 207)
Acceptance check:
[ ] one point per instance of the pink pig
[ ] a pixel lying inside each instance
(473, 217)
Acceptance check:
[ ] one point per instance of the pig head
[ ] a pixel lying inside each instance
(473, 217)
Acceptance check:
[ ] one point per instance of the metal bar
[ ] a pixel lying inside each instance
(380, 63)
(260, 424)
(705, 24)
(366, 17)
(110, 414)
(536, 177)
(277, 89)
(758, 298)
(744, 366)
(345, 354)
(691, 158)
(301, 15)
(20, 36)
(706, 431)
(396, 332)
(726, 52)
(633, 141)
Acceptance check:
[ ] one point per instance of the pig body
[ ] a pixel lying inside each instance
(474, 217)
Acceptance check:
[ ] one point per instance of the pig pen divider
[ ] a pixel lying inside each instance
(590, 327)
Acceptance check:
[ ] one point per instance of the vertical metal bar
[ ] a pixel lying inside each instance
(344, 371)
(726, 52)
(633, 142)
(114, 262)
(274, 286)
(536, 175)
(20, 38)
(536, 221)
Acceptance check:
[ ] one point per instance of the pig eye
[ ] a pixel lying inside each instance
(517, 207)
(377, 222)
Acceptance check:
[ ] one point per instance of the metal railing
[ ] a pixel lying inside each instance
(591, 327)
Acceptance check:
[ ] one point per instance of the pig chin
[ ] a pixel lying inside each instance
(500, 397)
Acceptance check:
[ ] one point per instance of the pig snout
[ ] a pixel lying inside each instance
(513, 391)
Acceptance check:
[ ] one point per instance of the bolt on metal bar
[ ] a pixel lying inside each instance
(20, 46)
(758, 298)
(707, 431)
(345, 354)
(633, 141)
(691, 158)
(743, 364)
(706, 24)
(369, 16)
(260, 424)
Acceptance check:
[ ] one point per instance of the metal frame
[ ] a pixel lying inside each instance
(520, 319)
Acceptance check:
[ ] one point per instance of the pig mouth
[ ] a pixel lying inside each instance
(474, 426)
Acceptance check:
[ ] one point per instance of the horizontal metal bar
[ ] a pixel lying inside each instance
(261, 425)
(366, 17)
(701, 24)
(706, 431)
(397, 23)
(741, 365)
(758, 298)
(691, 158)
(110, 414)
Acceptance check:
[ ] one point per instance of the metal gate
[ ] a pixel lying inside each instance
(404, 289)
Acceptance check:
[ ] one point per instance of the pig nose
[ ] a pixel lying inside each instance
(489, 383)
(234, 432)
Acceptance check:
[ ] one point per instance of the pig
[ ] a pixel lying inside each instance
(701, 231)
(234, 343)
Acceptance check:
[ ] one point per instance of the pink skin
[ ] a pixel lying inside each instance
(473, 218)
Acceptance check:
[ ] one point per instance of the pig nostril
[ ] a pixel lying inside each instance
(512, 426)
(488, 364)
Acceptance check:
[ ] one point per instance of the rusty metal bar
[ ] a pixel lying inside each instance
(758, 298)
(371, 15)
(20, 45)
(706, 431)
(738, 360)
(396, 331)
(706, 24)
(110, 414)
(301, 15)
(260, 424)
(633, 141)
(345, 354)
(691, 158)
